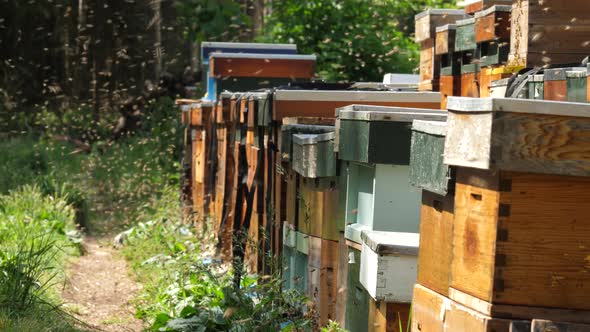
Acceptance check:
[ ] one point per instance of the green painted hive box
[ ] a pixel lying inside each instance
(313, 155)
(288, 130)
(263, 107)
(465, 35)
(535, 87)
(427, 170)
(357, 298)
(576, 85)
(379, 134)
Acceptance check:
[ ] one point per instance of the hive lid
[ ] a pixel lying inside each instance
(392, 243)
(307, 139)
(466, 21)
(438, 128)
(357, 96)
(547, 107)
(219, 55)
(493, 9)
(391, 114)
(439, 12)
(446, 27)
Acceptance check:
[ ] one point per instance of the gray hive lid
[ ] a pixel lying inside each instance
(392, 243)
(220, 55)
(391, 114)
(306, 139)
(446, 27)
(493, 9)
(466, 21)
(547, 107)
(439, 12)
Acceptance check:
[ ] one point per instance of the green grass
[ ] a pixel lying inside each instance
(37, 234)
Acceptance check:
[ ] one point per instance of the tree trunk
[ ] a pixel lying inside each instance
(157, 25)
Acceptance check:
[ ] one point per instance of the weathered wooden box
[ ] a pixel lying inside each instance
(548, 32)
(259, 114)
(450, 63)
(318, 207)
(389, 265)
(428, 20)
(313, 155)
(577, 85)
(493, 24)
(474, 6)
(433, 312)
(426, 24)
(509, 220)
(427, 170)
(363, 129)
(555, 82)
(388, 317)
(513, 134)
(322, 274)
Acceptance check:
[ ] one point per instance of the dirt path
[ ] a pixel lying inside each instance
(99, 289)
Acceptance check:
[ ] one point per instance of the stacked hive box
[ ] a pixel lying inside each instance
(426, 24)
(519, 207)
(450, 62)
(207, 48)
(311, 189)
(378, 198)
(474, 6)
(492, 35)
(466, 46)
(555, 86)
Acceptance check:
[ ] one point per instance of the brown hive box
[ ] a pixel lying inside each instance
(520, 238)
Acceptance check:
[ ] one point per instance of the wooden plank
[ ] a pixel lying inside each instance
(318, 208)
(325, 109)
(449, 86)
(549, 326)
(519, 312)
(555, 90)
(432, 312)
(385, 317)
(264, 66)
(323, 286)
(342, 276)
(469, 85)
(474, 232)
(429, 62)
(436, 234)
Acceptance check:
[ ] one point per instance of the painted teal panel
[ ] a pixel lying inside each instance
(576, 89)
(299, 272)
(375, 142)
(288, 267)
(427, 170)
(366, 176)
(536, 90)
(357, 298)
(351, 192)
(465, 37)
(396, 202)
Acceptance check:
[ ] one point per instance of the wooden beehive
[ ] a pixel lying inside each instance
(450, 63)
(432, 312)
(317, 207)
(428, 172)
(293, 66)
(322, 272)
(519, 202)
(548, 32)
(493, 24)
(467, 48)
(474, 6)
(426, 24)
(577, 85)
(379, 196)
(289, 130)
(389, 265)
(555, 83)
(388, 317)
